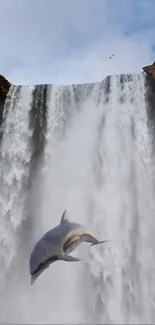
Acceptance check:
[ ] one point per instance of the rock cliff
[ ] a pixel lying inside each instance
(4, 88)
(150, 69)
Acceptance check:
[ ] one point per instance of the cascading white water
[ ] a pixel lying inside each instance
(15, 155)
(123, 205)
(98, 166)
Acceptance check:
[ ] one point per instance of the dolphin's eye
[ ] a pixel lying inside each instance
(41, 265)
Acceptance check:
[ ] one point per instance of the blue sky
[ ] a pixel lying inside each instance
(70, 41)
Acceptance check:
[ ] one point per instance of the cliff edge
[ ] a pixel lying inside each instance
(5, 84)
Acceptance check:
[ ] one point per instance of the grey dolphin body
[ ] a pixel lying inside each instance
(57, 243)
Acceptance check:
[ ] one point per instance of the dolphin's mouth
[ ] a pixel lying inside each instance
(42, 267)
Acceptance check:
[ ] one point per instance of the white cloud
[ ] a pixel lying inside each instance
(70, 41)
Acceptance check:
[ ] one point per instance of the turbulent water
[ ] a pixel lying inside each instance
(88, 149)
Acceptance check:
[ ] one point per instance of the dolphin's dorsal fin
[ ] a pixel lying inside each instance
(64, 216)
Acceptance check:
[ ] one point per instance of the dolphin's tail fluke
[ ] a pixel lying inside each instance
(100, 242)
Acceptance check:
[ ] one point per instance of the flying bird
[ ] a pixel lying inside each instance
(57, 243)
(111, 56)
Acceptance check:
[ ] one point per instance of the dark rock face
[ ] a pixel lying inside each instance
(4, 88)
(38, 122)
(150, 70)
(150, 101)
(38, 125)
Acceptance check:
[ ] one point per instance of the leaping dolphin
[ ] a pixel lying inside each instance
(57, 243)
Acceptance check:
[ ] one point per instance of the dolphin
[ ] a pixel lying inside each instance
(57, 243)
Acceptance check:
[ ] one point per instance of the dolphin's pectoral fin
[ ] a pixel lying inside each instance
(71, 244)
(100, 242)
(69, 258)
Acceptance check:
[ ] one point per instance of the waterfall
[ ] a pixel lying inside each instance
(14, 160)
(88, 149)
